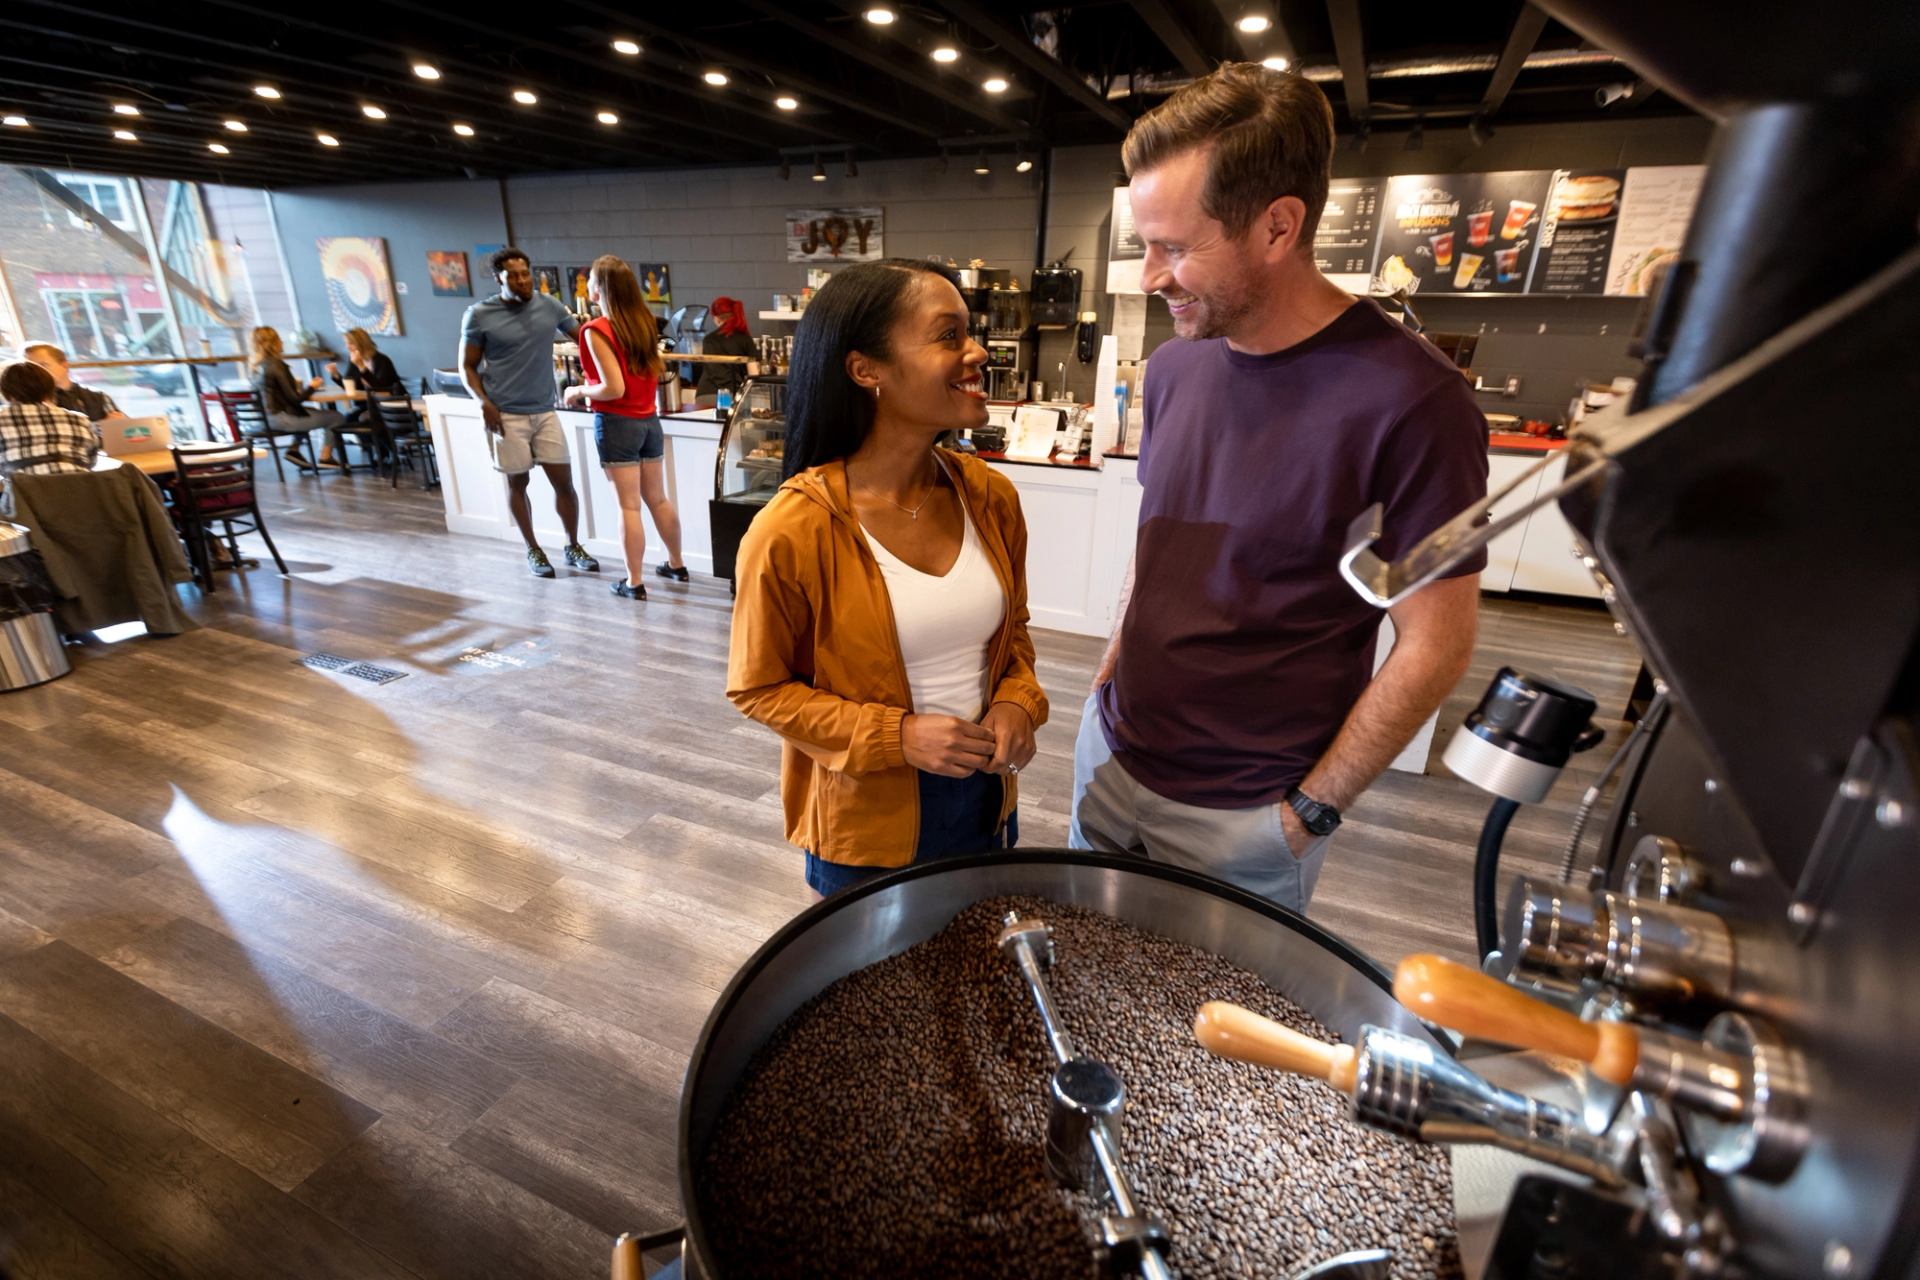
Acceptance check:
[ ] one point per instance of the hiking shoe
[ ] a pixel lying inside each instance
(626, 591)
(577, 557)
(538, 564)
(669, 572)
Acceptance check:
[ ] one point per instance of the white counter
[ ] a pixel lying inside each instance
(476, 496)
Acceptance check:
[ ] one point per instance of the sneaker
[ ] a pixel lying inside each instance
(538, 563)
(668, 571)
(625, 591)
(577, 557)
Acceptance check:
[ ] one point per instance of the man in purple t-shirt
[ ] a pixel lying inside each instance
(1236, 711)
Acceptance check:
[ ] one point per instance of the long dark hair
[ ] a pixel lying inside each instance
(828, 414)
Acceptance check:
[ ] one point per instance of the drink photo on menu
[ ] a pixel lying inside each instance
(1465, 232)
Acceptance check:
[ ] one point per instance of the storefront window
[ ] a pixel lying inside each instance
(78, 270)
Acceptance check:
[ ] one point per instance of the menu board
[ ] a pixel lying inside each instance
(1577, 233)
(1464, 232)
(1655, 206)
(1349, 224)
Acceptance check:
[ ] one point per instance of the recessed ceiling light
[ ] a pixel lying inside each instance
(125, 135)
(881, 16)
(327, 139)
(787, 103)
(1024, 165)
(14, 122)
(426, 71)
(981, 166)
(1275, 63)
(218, 148)
(607, 117)
(715, 78)
(819, 170)
(464, 130)
(372, 112)
(266, 91)
(1254, 23)
(125, 109)
(946, 53)
(236, 126)
(994, 84)
(525, 97)
(628, 47)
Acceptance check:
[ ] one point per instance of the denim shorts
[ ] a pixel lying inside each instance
(957, 817)
(625, 442)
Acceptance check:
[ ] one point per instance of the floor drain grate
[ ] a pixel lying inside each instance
(351, 667)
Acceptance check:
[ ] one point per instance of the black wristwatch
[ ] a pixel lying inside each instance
(1319, 819)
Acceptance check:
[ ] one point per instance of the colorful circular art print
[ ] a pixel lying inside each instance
(359, 285)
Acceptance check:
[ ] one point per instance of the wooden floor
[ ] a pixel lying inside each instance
(302, 975)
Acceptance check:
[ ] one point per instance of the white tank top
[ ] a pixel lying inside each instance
(946, 625)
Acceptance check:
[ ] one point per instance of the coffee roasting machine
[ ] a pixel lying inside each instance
(1728, 978)
(1737, 967)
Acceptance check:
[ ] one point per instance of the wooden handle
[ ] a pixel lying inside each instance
(1245, 1036)
(1474, 1004)
(626, 1259)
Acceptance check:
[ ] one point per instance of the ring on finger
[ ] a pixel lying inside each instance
(1013, 768)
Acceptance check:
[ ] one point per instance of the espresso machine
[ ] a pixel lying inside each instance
(1727, 982)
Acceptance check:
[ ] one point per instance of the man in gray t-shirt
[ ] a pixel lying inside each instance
(506, 362)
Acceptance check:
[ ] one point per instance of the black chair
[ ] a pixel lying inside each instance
(247, 415)
(216, 487)
(408, 438)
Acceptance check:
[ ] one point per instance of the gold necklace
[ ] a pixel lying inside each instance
(914, 511)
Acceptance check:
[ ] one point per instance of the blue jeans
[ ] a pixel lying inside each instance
(957, 817)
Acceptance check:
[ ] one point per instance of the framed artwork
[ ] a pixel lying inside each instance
(447, 269)
(359, 284)
(576, 286)
(547, 281)
(655, 284)
(836, 235)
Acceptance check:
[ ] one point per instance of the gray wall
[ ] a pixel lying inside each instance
(413, 217)
(722, 231)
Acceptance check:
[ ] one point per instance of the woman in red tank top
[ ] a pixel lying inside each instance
(620, 356)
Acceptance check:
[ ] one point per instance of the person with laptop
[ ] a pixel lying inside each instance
(97, 405)
(37, 436)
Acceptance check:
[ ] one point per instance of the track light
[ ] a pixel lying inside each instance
(980, 164)
(786, 169)
(1480, 131)
(819, 170)
(1418, 138)
(1023, 165)
(943, 160)
(853, 170)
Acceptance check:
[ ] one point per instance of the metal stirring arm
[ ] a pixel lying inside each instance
(1086, 1104)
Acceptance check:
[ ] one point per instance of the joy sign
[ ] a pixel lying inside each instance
(834, 235)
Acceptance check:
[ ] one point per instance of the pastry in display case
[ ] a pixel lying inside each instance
(749, 466)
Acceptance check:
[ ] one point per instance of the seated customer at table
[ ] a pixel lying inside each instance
(284, 400)
(368, 368)
(97, 405)
(37, 436)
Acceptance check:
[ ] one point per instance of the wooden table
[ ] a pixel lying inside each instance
(159, 462)
(338, 396)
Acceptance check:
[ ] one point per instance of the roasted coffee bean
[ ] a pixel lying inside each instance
(896, 1125)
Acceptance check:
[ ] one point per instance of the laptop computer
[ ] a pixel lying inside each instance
(123, 436)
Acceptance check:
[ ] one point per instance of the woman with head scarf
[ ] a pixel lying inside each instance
(730, 339)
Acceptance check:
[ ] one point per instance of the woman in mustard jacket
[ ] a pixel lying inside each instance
(880, 626)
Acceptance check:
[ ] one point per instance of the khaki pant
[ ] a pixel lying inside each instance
(1113, 813)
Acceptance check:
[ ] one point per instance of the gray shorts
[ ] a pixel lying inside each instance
(527, 438)
(1112, 813)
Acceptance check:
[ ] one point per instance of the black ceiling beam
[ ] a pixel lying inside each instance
(1350, 50)
(488, 112)
(919, 81)
(129, 161)
(1527, 26)
(803, 86)
(769, 114)
(56, 133)
(330, 88)
(1020, 49)
(1172, 31)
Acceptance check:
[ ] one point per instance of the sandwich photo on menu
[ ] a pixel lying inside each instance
(1586, 198)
